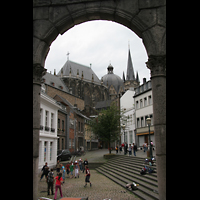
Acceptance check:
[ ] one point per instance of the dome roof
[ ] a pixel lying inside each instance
(112, 79)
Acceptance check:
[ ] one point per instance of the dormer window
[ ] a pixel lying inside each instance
(61, 87)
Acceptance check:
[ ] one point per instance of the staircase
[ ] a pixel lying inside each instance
(124, 169)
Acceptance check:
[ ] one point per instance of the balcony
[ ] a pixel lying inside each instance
(53, 130)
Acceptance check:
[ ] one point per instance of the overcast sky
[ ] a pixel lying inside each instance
(99, 43)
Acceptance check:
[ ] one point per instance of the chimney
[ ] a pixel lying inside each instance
(54, 71)
(144, 80)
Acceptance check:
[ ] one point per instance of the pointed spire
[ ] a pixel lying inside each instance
(123, 77)
(137, 77)
(130, 72)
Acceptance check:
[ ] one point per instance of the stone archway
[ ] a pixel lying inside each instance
(146, 18)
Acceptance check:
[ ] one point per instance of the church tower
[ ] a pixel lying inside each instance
(131, 81)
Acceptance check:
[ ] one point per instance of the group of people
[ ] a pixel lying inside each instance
(127, 149)
(72, 168)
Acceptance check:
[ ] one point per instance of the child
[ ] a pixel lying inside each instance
(67, 167)
(50, 181)
(87, 178)
(71, 167)
(58, 184)
(63, 173)
(76, 169)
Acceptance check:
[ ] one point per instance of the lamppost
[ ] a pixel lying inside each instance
(123, 127)
(148, 120)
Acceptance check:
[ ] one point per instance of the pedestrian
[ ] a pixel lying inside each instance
(120, 149)
(76, 167)
(87, 176)
(134, 149)
(58, 185)
(129, 150)
(71, 167)
(85, 163)
(44, 172)
(125, 148)
(67, 168)
(145, 146)
(116, 148)
(80, 164)
(63, 172)
(58, 166)
(50, 181)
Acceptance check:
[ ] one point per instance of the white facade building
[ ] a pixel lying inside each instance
(48, 131)
(127, 107)
(143, 99)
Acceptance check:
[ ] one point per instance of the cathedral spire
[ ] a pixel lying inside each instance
(130, 73)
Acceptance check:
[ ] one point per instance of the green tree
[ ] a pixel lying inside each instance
(107, 125)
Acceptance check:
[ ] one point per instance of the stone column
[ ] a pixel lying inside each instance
(38, 72)
(157, 65)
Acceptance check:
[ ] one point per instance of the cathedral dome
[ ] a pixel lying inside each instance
(112, 79)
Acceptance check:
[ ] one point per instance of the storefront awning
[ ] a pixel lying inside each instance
(152, 132)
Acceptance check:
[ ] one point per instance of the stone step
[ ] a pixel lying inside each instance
(135, 166)
(131, 170)
(142, 192)
(132, 176)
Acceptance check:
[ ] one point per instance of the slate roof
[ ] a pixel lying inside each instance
(58, 83)
(103, 104)
(87, 71)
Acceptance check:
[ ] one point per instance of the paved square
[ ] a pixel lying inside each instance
(102, 188)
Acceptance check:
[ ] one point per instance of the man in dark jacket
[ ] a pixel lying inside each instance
(44, 171)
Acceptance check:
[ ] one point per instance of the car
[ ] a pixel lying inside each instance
(64, 154)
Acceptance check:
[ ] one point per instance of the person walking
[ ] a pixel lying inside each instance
(67, 167)
(71, 167)
(50, 181)
(120, 149)
(58, 185)
(76, 167)
(63, 172)
(134, 149)
(85, 163)
(58, 166)
(129, 150)
(80, 164)
(116, 148)
(44, 171)
(87, 176)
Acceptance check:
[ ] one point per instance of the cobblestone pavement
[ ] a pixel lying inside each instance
(102, 188)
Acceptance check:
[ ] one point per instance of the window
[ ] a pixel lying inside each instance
(45, 151)
(138, 122)
(62, 125)
(150, 100)
(46, 118)
(70, 143)
(58, 123)
(73, 143)
(145, 101)
(145, 120)
(141, 105)
(137, 105)
(63, 143)
(41, 116)
(151, 116)
(142, 121)
(52, 116)
(51, 143)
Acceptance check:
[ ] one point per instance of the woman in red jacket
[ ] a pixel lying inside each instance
(58, 184)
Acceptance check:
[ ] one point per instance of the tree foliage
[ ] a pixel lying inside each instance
(107, 125)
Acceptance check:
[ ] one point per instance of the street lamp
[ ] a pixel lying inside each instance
(123, 126)
(148, 120)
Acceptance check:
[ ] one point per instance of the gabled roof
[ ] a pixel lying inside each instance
(55, 81)
(87, 71)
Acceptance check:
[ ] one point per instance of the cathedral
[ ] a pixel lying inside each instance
(97, 94)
